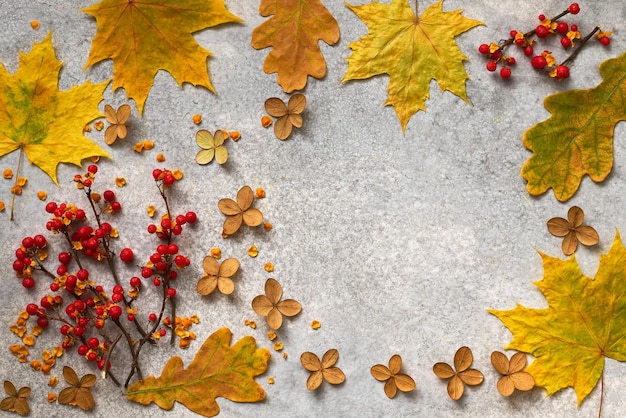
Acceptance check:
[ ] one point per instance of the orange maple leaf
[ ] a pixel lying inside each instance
(216, 370)
(144, 37)
(294, 32)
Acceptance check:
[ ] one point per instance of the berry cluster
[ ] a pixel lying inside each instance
(92, 318)
(569, 36)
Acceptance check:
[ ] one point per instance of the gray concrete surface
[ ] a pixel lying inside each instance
(397, 244)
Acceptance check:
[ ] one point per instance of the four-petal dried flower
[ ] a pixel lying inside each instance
(212, 146)
(461, 375)
(573, 230)
(513, 374)
(217, 276)
(118, 120)
(288, 115)
(322, 370)
(392, 377)
(272, 307)
(16, 401)
(78, 393)
(240, 211)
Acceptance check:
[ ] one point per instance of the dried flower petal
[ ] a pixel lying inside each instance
(269, 267)
(34, 24)
(197, 119)
(160, 157)
(253, 251)
(42, 195)
(7, 173)
(316, 324)
(266, 121)
(99, 125)
(120, 181)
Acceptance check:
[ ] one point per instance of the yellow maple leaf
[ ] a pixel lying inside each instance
(583, 323)
(144, 37)
(412, 51)
(217, 370)
(42, 121)
(577, 139)
(294, 32)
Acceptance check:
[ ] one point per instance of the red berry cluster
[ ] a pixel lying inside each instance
(93, 315)
(547, 27)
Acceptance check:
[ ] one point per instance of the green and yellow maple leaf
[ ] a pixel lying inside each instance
(217, 370)
(151, 35)
(294, 32)
(585, 321)
(43, 122)
(412, 51)
(577, 139)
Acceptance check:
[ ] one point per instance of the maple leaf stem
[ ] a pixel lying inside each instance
(17, 176)
(601, 393)
(582, 43)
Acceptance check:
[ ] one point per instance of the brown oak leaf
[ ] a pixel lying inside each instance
(322, 370)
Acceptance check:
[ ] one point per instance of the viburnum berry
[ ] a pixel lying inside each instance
(109, 195)
(156, 173)
(562, 71)
(574, 8)
(152, 317)
(566, 42)
(146, 272)
(562, 27)
(82, 275)
(605, 40)
(64, 257)
(191, 217)
(528, 51)
(126, 255)
(541, 31)
(28, 282)
(93, 169)
(169, 179)
(32, 309)
(87, 183)
(116, 206)
(171, 292)
(93, 342)
(172, 249)
(152, 228)
(541, 17)
(156, 282)
(42, 322)
(51, 207)
(40, 241)
(538, 62)
(28, 242)
(115, 311)
(18, 265)
(483, 49)
(491, 66)
(82, 350)
(135, 281)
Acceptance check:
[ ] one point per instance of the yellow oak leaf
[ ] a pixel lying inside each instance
(577, 139)
(42, 121)
(144, 37)
(294, 32)
(217, 370)
(412, 51)
(583, 323)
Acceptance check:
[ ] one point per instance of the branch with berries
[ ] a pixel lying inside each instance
(570, 39)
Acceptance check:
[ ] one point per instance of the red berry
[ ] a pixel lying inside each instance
(135, 281)
(172, 249)
(161, 266)
(156, 173)
(79, 305)
(511, 61)
(70, 280)
(126, 255)
(109, 195)
(166, 223)
(45, 303)
(87, 183)
(562, 71)
(106, 227)
(180, 260)
(566, 42)
(32, 308)
(574, 8)
(83, 322)
(64, 257)
(28, 242)
(82, 350)
(169, 179)
(491, 66)
(28, 282)
(538, 62)
(54, 287)
(171, 292)
(605, 40)
(80, 214)
(146, 272)
(574, 28)
(156, 281)
(541, 31)
(513, 33)
(116, 206)
(101, 364)
(483, 49)
(20, 254)
(542, 17)
(93, 169)
(162, 332)
(152, 317)
(93, 342)
(64, 329)
(181, 220)
(562, 27)
(92, 356)
(520, 42)
(177, 229)
(61, 270)
(173, 275)
(82, 275)
(51, 207)
(18, 265)
(155, 258)
(191, 217)
(99, 289)
(152, 228)
(496, 54)
(118, 289)
(40, 241)
(130, 317)
(115, 311)
(42, 322)
(162, 249)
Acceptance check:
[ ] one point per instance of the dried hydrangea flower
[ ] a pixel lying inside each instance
(572, 230)
(322, 370)
(272, 307)
(16, 401)
(288, 115)
(217, 276)
(79, 392)
(212, 146)
(392, 377)
(513, 374)
(118, 120)
(461, 375)
(240, 211)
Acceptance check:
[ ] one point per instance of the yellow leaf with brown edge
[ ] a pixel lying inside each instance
(151, 35)
(294, 32)
(217, 370)
(44, 122)
(577, 139)
(412, 51)
(583, 323)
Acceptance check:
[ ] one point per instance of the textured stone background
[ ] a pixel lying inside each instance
(397, 244)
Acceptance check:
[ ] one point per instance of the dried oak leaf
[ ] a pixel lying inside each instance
(118, 120)
(392, 377)
(577, 139)
(272, 307)
(39, 119)
(572, 230)
(322, 370)
(217, 276)
(78, 394)
(412, 51)
(143, 37)
(288, 115)
(461, 375)
(240, 211)
(583, 323)
(212, 146)
(217, 370)
(294, 32)
(16, 401)
(513, 374)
